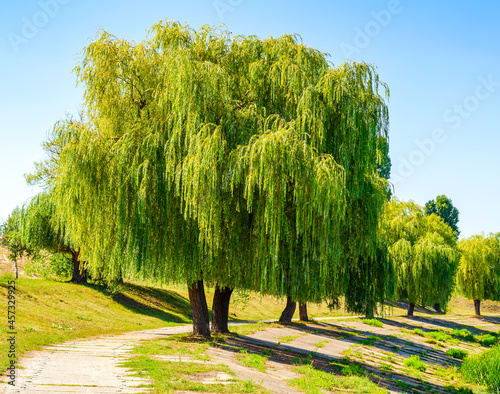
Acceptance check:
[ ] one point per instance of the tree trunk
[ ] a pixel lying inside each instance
(79, 272)
(199, 309)
(437, 307)
(286, 316)
(17, 270)
(411, 307)
(477, 307)
(220, 309)
(303, 311)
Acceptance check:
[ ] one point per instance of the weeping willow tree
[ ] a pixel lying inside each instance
(237, 162)
(423, 249)
(36, 228)
(478, 275)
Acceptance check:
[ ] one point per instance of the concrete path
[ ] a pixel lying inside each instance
(85, 366)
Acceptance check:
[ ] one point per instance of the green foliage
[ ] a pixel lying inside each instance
(55, 266)
(443, 207)
(484, 369)
(314, 381)
(373, 322)
(457, 353)
(423, 249)
(418, 331)
(478, 275)
(252, 360)
(463, 334)
(415, 363)
(249, 162)
(486, 339)
(353, 370)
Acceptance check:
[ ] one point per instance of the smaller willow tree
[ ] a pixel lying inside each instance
(423, 250)
(478, 275)
(35, 228)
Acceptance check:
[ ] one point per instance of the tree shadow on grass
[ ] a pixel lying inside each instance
(149, 301)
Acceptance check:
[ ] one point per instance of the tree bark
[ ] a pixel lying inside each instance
(17, 270)
(437, 307)
(286, 316)
(477, 307)
(220, 309)
(79, 272)
(199, 309)
(411, 307)
(303, 311)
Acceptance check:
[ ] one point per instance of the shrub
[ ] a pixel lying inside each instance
(373, 322)
(415, 363)
(484, 369)
(457, 353)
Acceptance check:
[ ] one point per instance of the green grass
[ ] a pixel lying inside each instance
(418, 331)
(172, 375)
(252, 360)
(373, 322)
(484, 369)
(321, 344)
(463, 334)
(286, 339)
(486, 339)
(457, 353)
(415, 363)
(315, 381)
(52, 312)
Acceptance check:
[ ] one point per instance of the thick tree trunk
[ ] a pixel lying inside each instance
(477, 307)
(411, 307)
(437, 307)
(199, 309)
(220, 309)
(286, 316)
(303, 311)
(79, 272)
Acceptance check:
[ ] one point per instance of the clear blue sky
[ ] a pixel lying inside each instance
(440, 59)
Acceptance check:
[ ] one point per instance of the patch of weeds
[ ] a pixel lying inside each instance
(321, 344)
(252, 328)
(385, 367)
(415, 363)
(484, 369)
(303, 360)
(389, 358)
(402, 384)
(486, 339)
(373, 322)
(84, 318)
(171, 376)
(463, 334)
(268, 352)
(457, 353)
(180, 344)
(289, 338)
(418, 331)
(314, 381)
(353, 370)
(252, 360)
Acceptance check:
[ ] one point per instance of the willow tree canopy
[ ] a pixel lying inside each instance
(423, 249)
(235, 159)
(478, 275)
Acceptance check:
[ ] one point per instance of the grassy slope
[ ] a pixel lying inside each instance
(49, 312)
